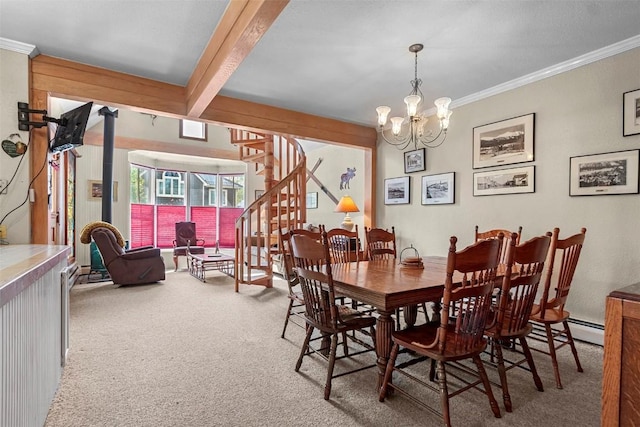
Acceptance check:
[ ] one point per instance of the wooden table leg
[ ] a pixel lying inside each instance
(384, 329)
(410, 315)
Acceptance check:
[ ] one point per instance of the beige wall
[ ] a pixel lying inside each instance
(14, 88)
(578, 112)
(335, 161)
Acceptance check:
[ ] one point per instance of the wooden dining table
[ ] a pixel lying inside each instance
(387, 285)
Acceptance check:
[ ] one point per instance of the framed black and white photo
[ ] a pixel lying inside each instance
(414, 161)
(631, 113)
(312, 200)
(504, 181)
(504, 143)
(397, 191)
(606, 173)
(438, 189)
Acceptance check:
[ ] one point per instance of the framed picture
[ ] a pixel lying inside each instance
(631, 113)
(607, 173)
(504, 143)
(438, 189)
(414, 161)
(397, 191)
(504, 181)
(95, 190)
(258, 194)
(312, 200)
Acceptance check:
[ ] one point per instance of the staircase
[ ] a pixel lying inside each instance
(281, 160)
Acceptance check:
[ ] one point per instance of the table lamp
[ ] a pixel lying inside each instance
(346, 205)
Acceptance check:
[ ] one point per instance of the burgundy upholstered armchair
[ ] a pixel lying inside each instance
(133, 267)
(186, 239)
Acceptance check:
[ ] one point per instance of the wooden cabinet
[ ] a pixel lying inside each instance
(621, 370)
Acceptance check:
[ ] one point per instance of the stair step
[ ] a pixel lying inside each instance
(258, 158)
(251, 141)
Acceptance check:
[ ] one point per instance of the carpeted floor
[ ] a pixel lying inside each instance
(187, 353)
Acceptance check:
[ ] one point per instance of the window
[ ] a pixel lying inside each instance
(202, 189)
(170, 188)
(160, 198)
(140, 184)
(190, 129)
(232, 191)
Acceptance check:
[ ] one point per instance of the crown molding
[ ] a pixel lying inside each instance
(15, 46)
(563, 67)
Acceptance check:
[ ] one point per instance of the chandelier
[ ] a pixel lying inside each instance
(415, 133)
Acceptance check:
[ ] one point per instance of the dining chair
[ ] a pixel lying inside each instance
(343, 245)
(468, 288)
(550, 310)
(313, 266)
(381, 244)
(492, 234)
(296, 300)
(524, 268)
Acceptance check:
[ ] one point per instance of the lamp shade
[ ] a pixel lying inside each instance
(346, 204)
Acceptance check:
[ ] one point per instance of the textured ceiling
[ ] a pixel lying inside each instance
(337, 59)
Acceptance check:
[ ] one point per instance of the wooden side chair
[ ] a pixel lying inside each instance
(550, 310)
(313, 266)
(343, 245)
(296, 300)
(524, 268)
(381, 243)
(493, 234)
(468, 289)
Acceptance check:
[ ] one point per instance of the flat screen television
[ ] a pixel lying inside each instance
(71, 127)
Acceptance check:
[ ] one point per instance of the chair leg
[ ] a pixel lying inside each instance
(387, 373)
(345, 344)
(552, 353)
(332, 362)
(432, 371)
(305, 347)
(286, 319)
(532, 366)
(573, 346)
(506, 397)
(444, 393)
(487, 386)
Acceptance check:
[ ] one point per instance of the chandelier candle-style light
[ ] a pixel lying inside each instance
(415, 133)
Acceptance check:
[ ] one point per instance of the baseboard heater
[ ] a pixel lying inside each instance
(586, 331)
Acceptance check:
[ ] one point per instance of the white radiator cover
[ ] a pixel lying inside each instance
(32, 354)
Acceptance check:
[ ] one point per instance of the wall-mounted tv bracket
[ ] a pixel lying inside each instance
(24, 122)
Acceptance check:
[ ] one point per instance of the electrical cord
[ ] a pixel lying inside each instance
(46, 156)
(19, 163)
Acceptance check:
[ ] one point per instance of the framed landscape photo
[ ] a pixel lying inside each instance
(631, 113)
(504, 181)
(504, 143)
(414, 161)
(606, 173)
(95, 190)
(438, 189)
(312, 200)
(397, 191)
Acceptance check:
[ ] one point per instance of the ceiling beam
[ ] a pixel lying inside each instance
(67, 79)
(260, 117)
(239, 30)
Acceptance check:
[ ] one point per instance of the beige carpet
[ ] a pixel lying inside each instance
(187, 353)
